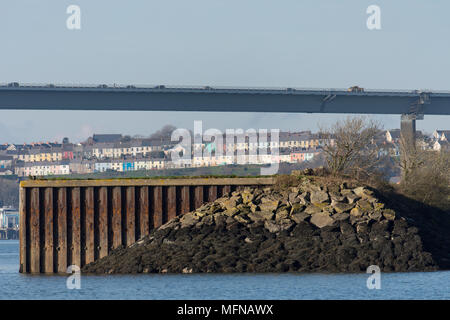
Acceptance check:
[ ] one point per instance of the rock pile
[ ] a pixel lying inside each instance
(308, 228)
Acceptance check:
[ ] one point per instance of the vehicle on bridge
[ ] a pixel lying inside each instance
(355, 89)
(13, 85)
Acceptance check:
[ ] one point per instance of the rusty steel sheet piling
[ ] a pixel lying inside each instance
(76, 222)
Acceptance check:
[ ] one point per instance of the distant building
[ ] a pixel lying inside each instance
(106, 138)
(441, 145)
(442, 135)
(6, 161)
(102, 166)
(81, 166)
(303, 155)
(42, 169)
(9, 218)
(127, 166)
(6, 172)
(393, 136)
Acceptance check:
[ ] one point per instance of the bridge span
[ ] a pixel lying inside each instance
(15, 96)
(412, 105)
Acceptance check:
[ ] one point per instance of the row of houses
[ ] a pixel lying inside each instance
(104, 152)
(126, 165)
(438, 141)
(115, 146)
(114, 152)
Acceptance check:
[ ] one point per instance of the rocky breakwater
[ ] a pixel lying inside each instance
(307, 228)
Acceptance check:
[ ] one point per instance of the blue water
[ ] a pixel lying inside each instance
(426, 285)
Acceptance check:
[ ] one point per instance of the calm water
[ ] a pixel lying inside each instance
(432, 285)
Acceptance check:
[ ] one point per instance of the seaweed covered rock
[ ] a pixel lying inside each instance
(308, 228)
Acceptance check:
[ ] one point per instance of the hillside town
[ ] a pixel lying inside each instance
(119, 153)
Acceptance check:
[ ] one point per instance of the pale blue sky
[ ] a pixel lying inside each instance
(292, 43)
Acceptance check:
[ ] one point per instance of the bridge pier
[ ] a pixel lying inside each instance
(407, 142)
(408, 129)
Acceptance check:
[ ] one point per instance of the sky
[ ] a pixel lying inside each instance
(248, 43)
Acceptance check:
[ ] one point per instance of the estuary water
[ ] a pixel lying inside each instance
(426, 285)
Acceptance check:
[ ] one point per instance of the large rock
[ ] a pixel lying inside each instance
(356, 212)
(341, 216)
(297, 208)
(272, 226)
(282, 213)
(321, 220)
(201, 213)
(231, 202)
(242, 218)
(345, 191)
(336, 197)
(299, 217)
(376, 215)
(231, 212)
(389, 214)
(364, 205)
(174, 223)
(352, 198)
(378, 206)
(188, 220)
(207, 220)
(286, 224)
(341, 207)
(304, 198)
(319, 197)
(293, 197)
(360, 191)
(269, 205)
(247, 196)
(261, 215)
(312, 209)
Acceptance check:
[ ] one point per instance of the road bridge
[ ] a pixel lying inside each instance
(410, 104)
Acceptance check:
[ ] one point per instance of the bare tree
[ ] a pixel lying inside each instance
(164, 133)
(9, 192)
(426, 174)
(350, 147)
(412, 157)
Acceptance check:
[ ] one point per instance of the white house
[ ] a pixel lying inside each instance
(441, 145)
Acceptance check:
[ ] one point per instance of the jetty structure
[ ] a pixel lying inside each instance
(76, 222)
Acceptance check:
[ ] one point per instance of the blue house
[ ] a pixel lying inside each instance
(128, 166)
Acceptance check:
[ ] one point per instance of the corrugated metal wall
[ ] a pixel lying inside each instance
(75, 225)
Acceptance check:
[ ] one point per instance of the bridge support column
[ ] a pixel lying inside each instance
(408, 129)
(407, 142)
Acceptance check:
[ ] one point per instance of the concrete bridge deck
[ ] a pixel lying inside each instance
(221, 99)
